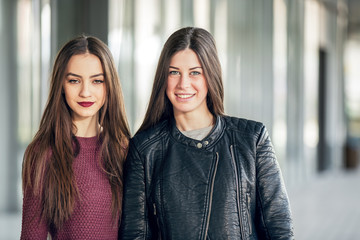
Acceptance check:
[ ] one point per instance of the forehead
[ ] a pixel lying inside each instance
(86, 63)
(185, 57)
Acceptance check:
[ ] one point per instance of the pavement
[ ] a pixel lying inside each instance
(327, 207)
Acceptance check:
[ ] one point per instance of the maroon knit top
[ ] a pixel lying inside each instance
(92, 216)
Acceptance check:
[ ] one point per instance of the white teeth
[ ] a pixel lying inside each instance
(184, 95)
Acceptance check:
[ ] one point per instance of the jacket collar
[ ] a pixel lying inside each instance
(214, 135)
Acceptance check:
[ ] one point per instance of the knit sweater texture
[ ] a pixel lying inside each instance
(92, 215)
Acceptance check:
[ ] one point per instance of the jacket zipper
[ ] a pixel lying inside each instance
(211, 196)
(237, 192)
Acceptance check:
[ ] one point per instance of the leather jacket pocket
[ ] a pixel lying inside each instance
(243, 202)
(157, 221)
(248, 200)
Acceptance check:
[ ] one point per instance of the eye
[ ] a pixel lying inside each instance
(98, 81)
(73, 81)
(195, 73)
(174, 73)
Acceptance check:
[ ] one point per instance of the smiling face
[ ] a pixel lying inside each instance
(186, 84)
(84, 86)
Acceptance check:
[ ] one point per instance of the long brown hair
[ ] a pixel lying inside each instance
(203, 44)
(47, 167)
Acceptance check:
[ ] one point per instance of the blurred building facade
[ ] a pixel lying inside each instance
(286, 63)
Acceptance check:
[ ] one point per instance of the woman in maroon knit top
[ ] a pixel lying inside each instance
(72, 170)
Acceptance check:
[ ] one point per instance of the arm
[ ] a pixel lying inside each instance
(273, 205)
(33, 227)
(134, 222)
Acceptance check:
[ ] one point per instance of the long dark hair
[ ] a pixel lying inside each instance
(203, 44)
(47, 166)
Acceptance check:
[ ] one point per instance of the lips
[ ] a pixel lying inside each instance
(184, 96)
(86, 104)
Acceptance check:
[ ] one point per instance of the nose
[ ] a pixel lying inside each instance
(85, 89)
(184, 81)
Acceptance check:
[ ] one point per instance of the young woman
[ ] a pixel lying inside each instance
(191, 171)
(72, 170)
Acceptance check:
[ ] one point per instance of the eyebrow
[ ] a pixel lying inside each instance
(189, 68)
(76, 75)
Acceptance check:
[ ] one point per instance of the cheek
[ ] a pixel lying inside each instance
(168, 94)
(168, 88)
(206, 90)
(67, 95)
(103, 96)
(202, 87)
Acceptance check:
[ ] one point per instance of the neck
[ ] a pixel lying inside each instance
(86, 127)
(191, 121)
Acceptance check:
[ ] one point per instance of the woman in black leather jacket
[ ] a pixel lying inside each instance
(193, 172)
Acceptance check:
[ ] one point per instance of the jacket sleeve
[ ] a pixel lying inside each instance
(134, 222)
(32, 227)
(274, 215)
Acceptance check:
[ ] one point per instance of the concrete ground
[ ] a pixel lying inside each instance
(328, 207)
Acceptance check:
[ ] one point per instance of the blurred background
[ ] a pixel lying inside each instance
(292, 64)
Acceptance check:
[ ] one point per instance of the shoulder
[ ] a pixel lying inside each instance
(151, 135)
(243, 126)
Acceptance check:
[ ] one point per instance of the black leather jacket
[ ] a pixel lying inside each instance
(227, 186)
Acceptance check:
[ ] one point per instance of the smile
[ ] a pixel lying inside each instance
(86, 104)
(184, 96)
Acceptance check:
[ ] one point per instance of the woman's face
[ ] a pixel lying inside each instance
(186, 84)
(84, 86)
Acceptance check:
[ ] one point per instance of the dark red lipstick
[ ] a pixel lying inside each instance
(86, 104)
